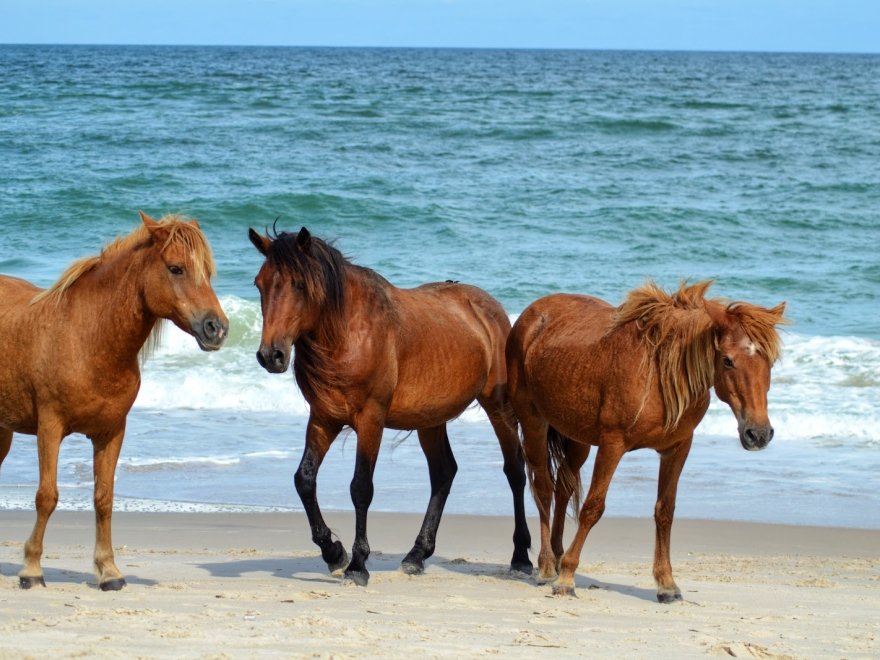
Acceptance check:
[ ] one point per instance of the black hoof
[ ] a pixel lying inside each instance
(524, 567)
(411, 567)
(28, 582)
(665, 597)
(564, 591)
(112, 585)
(360, 578)
(339, 560)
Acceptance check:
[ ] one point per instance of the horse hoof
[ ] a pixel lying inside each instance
(360, 578)
(340, 563)
(112, 585)
(544, 578)
(412, 568)
(338, 567)
(26, 582)
(666, 597)
(560, 590)
(525, 568)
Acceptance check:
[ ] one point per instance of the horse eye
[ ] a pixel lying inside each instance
(175, 270)
(299, 286)
(728, 363)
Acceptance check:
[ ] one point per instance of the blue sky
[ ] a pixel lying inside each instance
(754, 25)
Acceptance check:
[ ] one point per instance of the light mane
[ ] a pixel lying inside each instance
(760, 324)
(181, 231)
(680, 333)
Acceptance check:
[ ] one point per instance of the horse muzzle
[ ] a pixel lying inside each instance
(755, 438)
(210, 332)
(273, 359)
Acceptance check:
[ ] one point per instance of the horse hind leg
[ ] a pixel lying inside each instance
(535, 451)
(442, 469)
(503, 420)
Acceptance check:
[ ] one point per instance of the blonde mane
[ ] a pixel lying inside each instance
(181, 231)
(679, 334)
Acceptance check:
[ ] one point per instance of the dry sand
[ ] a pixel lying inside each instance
(245, 585)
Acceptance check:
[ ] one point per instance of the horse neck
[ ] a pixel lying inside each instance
(107, 302)
(364, 302)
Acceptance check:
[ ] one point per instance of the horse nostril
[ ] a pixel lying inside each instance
(770, 434)
(278, 357)
(752, 436)
(261, 359)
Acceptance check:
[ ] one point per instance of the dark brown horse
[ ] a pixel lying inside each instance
(371, 356)
(637, 376)
(69, 358)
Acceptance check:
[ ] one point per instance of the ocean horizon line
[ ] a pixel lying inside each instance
(377, 47)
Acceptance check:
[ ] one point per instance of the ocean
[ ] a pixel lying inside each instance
(523, 172)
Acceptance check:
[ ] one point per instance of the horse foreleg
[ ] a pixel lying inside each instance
(49, 436)
(607, 459)
(369, 434)
(318, 440)
(575, 457)
(106, 454)
(441, 468)
(504, 425)
(671, 464)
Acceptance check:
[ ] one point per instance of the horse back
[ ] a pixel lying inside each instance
(564, 360)
(448, 344)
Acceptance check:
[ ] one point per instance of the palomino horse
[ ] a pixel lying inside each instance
(69, 358)
(370, 356)
(583, 373)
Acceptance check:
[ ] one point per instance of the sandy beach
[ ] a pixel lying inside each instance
(237, 585)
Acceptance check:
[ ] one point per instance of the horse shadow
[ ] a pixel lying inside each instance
(66, 576)
(314, 570)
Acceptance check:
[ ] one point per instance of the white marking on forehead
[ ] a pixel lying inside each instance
(749, 346)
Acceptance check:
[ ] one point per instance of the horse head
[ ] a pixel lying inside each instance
(299, 279)
(747, 345)
(178, 281)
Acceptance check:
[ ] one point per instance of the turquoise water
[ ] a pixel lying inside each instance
(524, 172)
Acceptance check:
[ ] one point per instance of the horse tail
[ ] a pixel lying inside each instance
(560, 469)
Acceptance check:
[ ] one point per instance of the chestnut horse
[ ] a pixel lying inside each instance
(372, 356)
(69, 358)
(583, 373)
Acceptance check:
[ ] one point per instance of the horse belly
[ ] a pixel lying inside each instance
(17, 410)
(433, 391)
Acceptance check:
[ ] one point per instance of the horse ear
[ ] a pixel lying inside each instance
(718, 313)
(149, 223)
(260, 242)
(779, 312)
(158, 232)
(304, 239)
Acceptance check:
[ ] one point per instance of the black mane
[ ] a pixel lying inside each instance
(313, 265)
